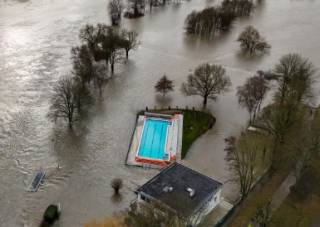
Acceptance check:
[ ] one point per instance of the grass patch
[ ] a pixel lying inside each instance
(297, 213)
(195, 123)
(302, 206)
(261, 194)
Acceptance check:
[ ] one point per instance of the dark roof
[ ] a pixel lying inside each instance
(180, 178)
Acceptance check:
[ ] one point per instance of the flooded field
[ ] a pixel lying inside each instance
(35, 41)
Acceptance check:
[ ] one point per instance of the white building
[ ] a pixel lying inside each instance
(190, 194)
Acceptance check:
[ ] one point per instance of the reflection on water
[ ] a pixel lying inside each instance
(35, 42)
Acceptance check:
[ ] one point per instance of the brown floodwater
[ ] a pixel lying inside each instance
(35, 41)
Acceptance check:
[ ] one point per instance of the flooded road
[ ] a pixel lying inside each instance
(35, 42)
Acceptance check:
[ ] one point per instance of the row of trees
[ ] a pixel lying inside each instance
(108, 44)
(212, 19)
(281, 127)
(102, 47)
(135, 8)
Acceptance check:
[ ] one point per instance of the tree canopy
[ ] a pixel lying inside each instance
(164, 85)
(251, 41)
(251, 94)
(207, 81)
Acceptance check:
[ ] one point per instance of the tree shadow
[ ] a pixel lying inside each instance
(116, 198)
(254, 58)
(163, 101)
(194, 41)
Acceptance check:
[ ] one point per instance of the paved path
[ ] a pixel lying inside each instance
(282, 192)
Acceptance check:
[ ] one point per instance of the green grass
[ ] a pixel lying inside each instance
(297, 213)
(195, 123)
(302, 207)
(258, 197)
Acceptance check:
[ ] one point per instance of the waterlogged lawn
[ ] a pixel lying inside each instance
(195, 123)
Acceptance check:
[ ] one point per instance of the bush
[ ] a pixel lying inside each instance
(51, 214)
(116, 184)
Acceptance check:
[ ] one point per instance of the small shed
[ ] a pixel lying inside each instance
(190, 194)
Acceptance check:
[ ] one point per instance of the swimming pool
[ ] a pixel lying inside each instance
(153, 140)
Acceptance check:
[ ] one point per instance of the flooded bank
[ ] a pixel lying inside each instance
(35, 42)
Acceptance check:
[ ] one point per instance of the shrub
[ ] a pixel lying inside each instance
(116, 184)
(51, 214)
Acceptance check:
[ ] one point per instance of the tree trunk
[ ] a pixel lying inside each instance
(70, 120)
(205, 100)
(151, 4)
(250, 119)
(100, 90)
(127, 53)
(79, 104)
(112, 67)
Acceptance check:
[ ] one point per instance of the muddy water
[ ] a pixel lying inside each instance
(35, 41)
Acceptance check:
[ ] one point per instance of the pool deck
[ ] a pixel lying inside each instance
(135, 143)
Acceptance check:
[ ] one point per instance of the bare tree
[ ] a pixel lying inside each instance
(81, 94)
(152, 214)
(111, 44)
(164, 85)
(251, 41)
(116, 184)
(202, 23)
(239, 7)
(63, 102)
(295, 79)
(211, 20)
(82, 64)
(136, 8)
(251, 94)
(207, 81)
(129, 41)
(115, 8)
(242, 161)
(91, 36)
(100, 76)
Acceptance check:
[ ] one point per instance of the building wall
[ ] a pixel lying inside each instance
(198, 217)
(206, 209)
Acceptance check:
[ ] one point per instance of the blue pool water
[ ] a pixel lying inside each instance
(153, 139)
